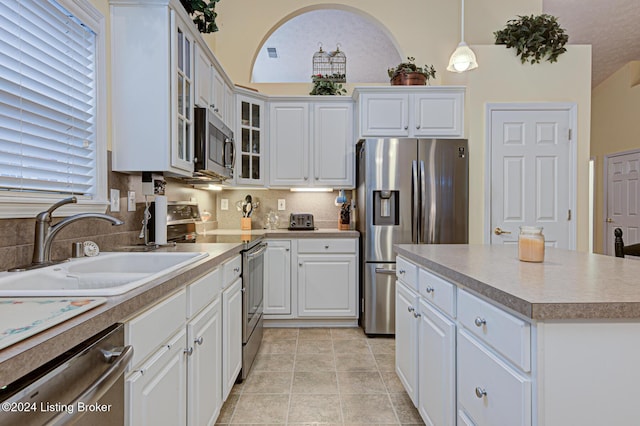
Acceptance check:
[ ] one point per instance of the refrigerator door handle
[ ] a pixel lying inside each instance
(415, 203)
(423, 208)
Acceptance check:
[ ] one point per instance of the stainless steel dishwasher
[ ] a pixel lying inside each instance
(83, 386)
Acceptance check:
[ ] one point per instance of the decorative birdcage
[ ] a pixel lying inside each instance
(331, 66)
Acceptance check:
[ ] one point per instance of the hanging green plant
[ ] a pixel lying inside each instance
(203, 14)
(326, 84)
(534, 38)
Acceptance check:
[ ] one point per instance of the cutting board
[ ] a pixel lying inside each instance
(22, 317)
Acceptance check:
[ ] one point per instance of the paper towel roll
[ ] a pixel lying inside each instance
(161, 219)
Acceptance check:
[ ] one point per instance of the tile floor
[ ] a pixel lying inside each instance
(321, 376)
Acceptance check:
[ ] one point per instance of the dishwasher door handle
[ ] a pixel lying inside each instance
(385, 271)
(99, 387)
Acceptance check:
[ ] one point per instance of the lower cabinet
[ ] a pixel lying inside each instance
(437, 369)
(277, 278)
(176, 376)
(231, 335)
(407, 339)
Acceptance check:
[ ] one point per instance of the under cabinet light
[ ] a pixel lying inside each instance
(311, 189)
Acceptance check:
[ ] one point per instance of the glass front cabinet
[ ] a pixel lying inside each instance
(250, 142)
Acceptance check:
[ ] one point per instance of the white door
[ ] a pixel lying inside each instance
(231, 336)
(407, 339)
(277, 278)
(289, 144)
(532, 175)
(623, 198)
(333, 142)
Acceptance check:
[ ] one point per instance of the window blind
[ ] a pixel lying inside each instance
(47, 100)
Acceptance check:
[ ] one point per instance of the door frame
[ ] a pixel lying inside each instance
(605, 194)
(570, 107)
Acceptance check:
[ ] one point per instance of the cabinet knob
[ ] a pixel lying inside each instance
(401, 271)
(286, 249)
(480, 392)
(236, 269)
(198, 341)
(479, 322)
(410, 308)
(417, 315)
(418, 127)
(326, 247)
(429, 289)
(212, 106)
(299, 264)
(406, 127)
(189, 351)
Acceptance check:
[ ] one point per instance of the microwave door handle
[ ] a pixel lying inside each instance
(233, 153)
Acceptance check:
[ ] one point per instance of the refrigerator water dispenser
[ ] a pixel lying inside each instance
(386, 207)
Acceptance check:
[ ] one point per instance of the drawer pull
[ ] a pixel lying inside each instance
(198, 341)
(401, 271)
(429, 289)
(236, 269)
(480, 322)
(480, 392)
(411, 308)
(417, 315)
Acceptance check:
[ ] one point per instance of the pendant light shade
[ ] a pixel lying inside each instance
(462, 59)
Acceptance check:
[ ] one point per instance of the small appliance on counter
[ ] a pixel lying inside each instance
(301, 222)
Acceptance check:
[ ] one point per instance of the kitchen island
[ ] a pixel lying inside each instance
(510, 342)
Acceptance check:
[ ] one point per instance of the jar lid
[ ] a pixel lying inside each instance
(531, 229)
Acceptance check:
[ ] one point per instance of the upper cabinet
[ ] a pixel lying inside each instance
(311, 143)
(250, 143)
(152, 88)
(410, 111)
(211, 89)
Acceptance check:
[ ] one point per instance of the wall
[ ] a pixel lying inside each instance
(320, 204)
(429, 30)
(614, 128)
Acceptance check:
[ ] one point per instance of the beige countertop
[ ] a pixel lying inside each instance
(567, 285)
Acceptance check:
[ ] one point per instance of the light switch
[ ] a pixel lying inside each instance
(131, 201)
(282, 204)
(224, 204)
(115, 200)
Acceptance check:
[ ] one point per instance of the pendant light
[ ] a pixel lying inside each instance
(463, 59)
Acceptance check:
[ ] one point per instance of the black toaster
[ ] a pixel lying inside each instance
(301, 222)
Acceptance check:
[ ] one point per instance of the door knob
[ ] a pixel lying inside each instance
(499, 231)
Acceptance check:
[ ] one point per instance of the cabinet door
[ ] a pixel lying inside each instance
(289, 144)
(217, 95)
(182, 146)
(333, 145)
(384, 114)
(327, 286)
(231, 335)
(155, 394)
(229, 106)
(204, 366)
(203, 78)
(436, 371)
(249, 141)
(277, 278)
(438, 114)
(407, 339)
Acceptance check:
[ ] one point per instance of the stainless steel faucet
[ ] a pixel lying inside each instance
(45, 232)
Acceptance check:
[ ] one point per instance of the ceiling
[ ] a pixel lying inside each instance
(612, 27)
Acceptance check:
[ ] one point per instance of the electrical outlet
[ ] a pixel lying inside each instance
(282, 204)
(224, 204)
(115, 200)
(131, 201)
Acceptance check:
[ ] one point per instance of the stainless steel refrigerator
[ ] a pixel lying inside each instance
(409, 191)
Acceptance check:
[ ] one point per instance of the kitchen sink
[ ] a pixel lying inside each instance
(107, 274)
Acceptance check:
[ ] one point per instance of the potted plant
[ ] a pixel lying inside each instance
(534, 38)
(407, 73)
(326, 85)
(203, 14)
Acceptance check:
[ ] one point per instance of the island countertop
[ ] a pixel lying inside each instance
(567, 285)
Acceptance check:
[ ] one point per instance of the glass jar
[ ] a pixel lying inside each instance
(531, 244)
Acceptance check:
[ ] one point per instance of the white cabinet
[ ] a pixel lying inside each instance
(229, 106)
(411, 111)
(203, 68)
(327, 280)
(250, 143)
(311, 144)
(277, 278)
(231, 335)
(407, 314)
(155, 392)
(217, 105)
(437, 367)
(204, 367)
(152, 88)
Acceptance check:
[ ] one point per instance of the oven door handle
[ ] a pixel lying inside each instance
(101, 385)
(261, 249)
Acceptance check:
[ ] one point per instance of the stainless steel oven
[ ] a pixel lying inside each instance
(252, 303)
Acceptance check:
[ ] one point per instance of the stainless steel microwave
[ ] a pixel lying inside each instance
(214, 146)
